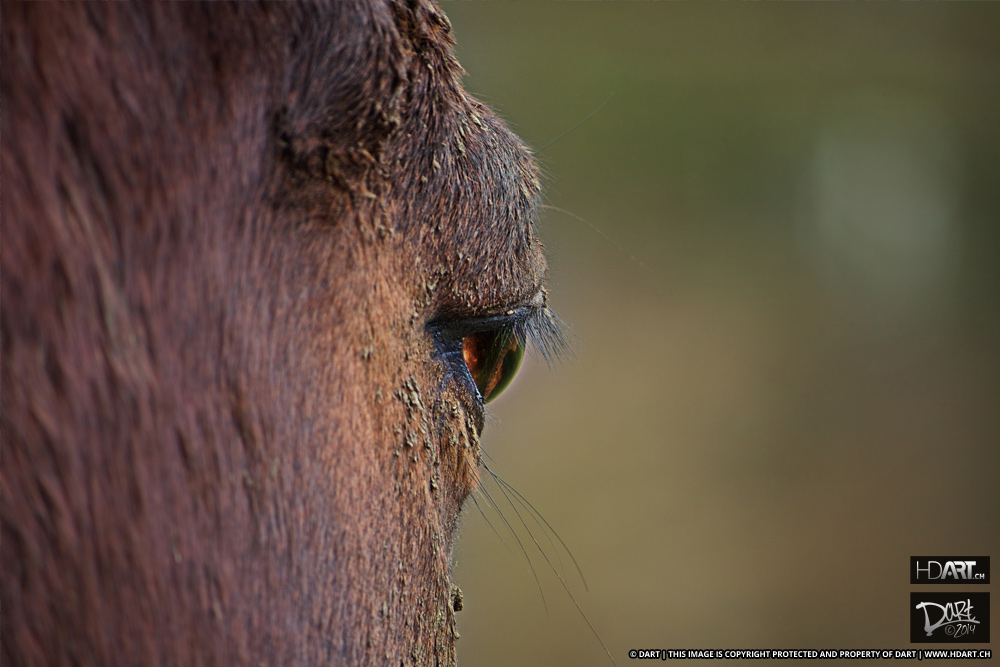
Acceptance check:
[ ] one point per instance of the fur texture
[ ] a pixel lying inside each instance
(228, 437)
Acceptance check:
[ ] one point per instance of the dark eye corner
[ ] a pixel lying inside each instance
(486, 351)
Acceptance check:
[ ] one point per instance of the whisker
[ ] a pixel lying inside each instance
(538, 517)
(504, 485)
(554, 570)
(490, 524)
(585, 119)
(607, 238)
(520, 518)
(524, 551)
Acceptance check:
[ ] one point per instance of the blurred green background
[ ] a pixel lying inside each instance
(787, 378)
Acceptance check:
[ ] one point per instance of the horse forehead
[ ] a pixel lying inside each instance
(474, 209)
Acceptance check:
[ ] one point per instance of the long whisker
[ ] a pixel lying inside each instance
(520, 518)
(554, 570)
(524, 551)
(490, 524)
(538, 517)
(531, 512)
(601, 232)
(585, 119)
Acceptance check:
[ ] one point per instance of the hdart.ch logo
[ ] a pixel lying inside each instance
(949, 569)
(945, 618)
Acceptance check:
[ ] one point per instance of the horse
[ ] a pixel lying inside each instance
(262, 266)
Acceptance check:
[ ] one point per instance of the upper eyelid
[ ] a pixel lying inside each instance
(459, 327)
(519, 309)
(535, 325)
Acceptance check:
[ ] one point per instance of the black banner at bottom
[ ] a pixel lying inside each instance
(810, 654)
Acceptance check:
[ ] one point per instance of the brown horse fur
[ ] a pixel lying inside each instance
(228, 231)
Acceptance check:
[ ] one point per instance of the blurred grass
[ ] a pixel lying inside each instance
(787, 377)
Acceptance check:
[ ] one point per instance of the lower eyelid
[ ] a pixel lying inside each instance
(456, 377)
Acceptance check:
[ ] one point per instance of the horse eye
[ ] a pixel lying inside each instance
(493, 358)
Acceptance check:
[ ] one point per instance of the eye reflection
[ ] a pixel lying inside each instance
(493, 358)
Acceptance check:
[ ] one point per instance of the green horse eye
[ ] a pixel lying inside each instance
(493, 358)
